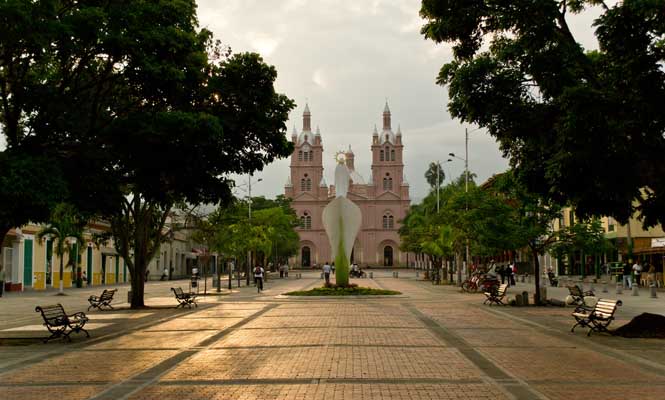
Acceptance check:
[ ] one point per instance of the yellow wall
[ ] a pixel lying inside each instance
(40, 280)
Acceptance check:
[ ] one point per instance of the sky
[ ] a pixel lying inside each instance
(345, 58)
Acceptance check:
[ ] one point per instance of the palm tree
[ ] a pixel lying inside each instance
(65, 225)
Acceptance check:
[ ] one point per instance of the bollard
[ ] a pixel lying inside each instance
(525, 298)
(371, 275)
(396, 274)
(519, 301)
(636, 291)
(652, 288)
(522, 278)
(619, 288)
(543, 294)
(417, 274)
(604, 287)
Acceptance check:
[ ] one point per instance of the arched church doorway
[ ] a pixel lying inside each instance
(388, 256)
(306, 257)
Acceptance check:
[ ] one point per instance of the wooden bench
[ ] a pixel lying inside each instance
(59, 323)
(578, 295)
(184, 299)
(598, 318)
(103, 300)
(496, 296)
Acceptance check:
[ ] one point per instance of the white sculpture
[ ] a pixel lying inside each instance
(341, 220)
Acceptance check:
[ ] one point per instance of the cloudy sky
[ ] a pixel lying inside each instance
(345, 57)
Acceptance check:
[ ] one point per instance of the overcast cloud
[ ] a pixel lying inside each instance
(346, 57)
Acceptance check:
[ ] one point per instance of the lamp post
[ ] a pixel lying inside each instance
(170, 235)
(249, 203)
(466, 190)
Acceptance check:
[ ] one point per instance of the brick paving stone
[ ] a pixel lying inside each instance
(573, 365)
(195, 324)
(523, 338)
(327, 391)
(155, 340)
(325, 363)
(329, 336)
(360, 320)
(84, 366)
(81, 392)
(606, 391)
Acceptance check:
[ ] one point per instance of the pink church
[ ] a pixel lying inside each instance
(383, 200)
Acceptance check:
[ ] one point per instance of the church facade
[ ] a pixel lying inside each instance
(383, 199)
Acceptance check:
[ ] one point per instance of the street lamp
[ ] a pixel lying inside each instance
(249, 203)
(466, 190)
(170, 235)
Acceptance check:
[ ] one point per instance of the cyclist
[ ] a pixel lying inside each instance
(258, 277)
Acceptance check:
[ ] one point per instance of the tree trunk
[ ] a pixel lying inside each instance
(138, 288)
(536, 273)
(458, 266)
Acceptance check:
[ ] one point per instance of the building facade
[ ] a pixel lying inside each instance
(32, 263)
(383, 199)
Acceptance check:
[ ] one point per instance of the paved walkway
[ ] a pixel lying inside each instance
(431, 343)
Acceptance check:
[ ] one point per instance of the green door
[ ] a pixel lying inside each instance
(89, 269)
(27, 262)
(124, 271)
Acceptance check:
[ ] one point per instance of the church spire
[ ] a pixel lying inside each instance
(306, 119)
(386, 117)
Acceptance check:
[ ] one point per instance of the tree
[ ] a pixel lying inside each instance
(519, 72)
(66, 224)
(434, 178)
(150, 109)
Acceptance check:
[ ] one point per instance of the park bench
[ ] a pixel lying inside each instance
(597, 318)
(578, 295)
(184, 299)
(496, 295)
(103, 300)
(59, 323)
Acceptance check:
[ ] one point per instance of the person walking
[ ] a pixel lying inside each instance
(286, 270)
(258, 277)
(326, 273)
(502, 271)
(513, 272)
(165, 275)
(281, 271)
(637, 272)
(627, 282)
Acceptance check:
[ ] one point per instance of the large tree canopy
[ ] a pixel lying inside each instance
(584, 128)
(140, 107)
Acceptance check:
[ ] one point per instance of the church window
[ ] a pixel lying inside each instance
(392, 155)
(306, 184)
(387, 182)
(300, 155)
(388, 221)
(382, 157)
(306, 221)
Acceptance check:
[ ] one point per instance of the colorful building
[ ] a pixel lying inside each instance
(383, 199)
(32, 263)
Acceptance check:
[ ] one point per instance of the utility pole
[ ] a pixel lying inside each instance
(466, 190)
(249, 203)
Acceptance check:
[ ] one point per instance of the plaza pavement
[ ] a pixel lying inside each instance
(430, 343)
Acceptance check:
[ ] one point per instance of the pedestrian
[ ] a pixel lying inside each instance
(286, 270)
(651, 273)
(84, 278)
(326, 273)
(165, 274)
(258, 277)
(501, 270)
(513, 272)
(627, 282)
(281, 271)
(637, 272)
(332, 267)
(2, 280)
